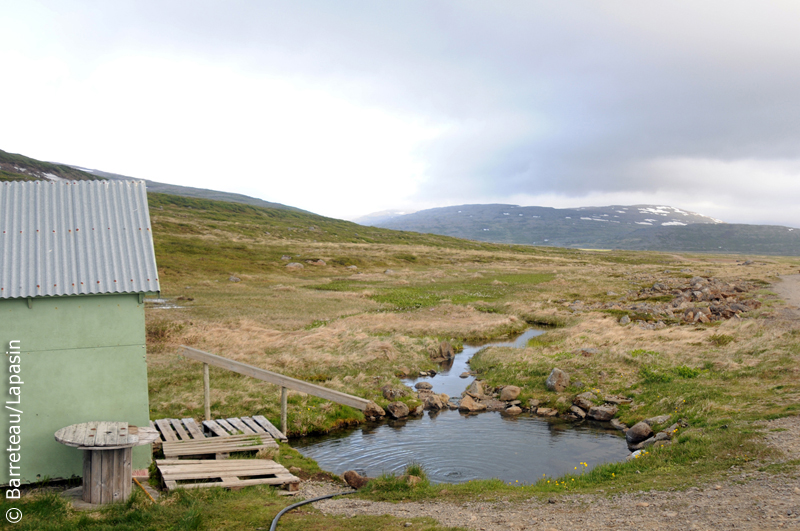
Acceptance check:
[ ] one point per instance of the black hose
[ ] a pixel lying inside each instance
(298, 504)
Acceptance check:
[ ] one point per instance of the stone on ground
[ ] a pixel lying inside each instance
(557, 381)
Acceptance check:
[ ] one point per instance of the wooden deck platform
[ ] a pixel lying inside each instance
(229, 473)
(184, 437)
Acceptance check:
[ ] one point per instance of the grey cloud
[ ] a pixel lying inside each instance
(568, 98)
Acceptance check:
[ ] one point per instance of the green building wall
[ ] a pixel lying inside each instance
(83, 358)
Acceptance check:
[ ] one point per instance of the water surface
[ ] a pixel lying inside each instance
(453, 447)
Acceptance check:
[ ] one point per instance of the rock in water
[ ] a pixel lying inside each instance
(397, 410)
(604, 412)
(423, 385)
(557, 381)
(638, 433)
(475, 389)
(470, 405)
(578, 412)
(509, 392)
(433, 402)
(618, 425)
(374, 411)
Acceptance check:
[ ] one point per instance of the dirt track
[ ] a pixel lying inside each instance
(789, 290)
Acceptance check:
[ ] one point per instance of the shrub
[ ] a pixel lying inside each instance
(686, 372)
(654, 376)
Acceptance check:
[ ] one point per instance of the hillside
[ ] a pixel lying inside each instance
(14, 167)
(189, 191)
(634, 227)
(221, 238)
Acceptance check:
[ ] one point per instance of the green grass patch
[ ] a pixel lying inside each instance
(455, 291)
(644, 352)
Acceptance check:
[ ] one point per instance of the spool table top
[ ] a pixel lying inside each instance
(102, 435)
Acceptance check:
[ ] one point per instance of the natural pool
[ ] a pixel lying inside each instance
(453, 447)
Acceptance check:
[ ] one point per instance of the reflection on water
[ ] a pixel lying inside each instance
(453, 447)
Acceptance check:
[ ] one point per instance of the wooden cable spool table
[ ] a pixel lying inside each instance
(107, 454)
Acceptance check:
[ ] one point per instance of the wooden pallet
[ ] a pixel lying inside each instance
(184, 437)
(172, 430)
(231, 473)
(221, 447)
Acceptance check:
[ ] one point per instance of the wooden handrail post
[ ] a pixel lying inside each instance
(283, 409)
(207, 391)
(275, 378)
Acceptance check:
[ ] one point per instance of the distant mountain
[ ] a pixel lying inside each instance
(634, 227)
(563, 227)
(15, 167)
(725, 238)
(380, 217)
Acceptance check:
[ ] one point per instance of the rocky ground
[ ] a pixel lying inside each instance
(743, 500)
(698, 300)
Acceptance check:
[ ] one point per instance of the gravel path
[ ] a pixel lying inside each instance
(789, 290)
(754, 500)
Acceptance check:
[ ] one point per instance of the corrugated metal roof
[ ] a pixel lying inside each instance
(75, 238)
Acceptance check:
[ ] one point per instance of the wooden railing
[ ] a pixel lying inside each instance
(285, 382)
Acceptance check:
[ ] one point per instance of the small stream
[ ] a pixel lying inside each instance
(448, 380)
(453, 447)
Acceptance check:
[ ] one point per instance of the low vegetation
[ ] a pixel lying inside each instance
(369, 304)
(191, 510)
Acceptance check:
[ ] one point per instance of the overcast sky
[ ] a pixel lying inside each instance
(347, 108)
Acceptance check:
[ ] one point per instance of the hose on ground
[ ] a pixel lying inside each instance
(298, 504)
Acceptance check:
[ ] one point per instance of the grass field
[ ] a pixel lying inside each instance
(355, 328)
